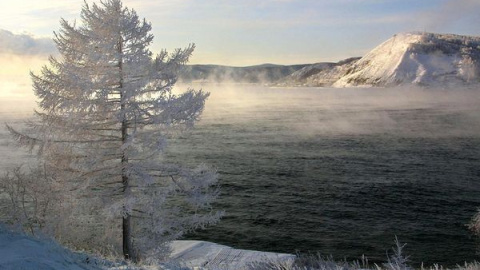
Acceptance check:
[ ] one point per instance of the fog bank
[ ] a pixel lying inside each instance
(411, 111)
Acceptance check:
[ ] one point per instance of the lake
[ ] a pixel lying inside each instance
(337, 171)
(342, 171)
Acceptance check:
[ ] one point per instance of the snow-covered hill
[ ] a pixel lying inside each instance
(418, 58)
(407, 58)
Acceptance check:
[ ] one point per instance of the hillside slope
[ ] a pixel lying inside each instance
(320, 74)
(417, 58)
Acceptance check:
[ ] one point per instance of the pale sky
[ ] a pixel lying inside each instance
(237, 32)
(249, 32)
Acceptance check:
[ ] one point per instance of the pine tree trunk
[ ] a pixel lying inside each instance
(126, 236)
(128, 252)
(127, 245)
(126, 224)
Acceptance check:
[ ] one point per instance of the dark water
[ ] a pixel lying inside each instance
(342, 172)
(335, 171)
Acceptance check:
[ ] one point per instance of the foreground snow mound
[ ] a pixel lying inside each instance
(417, 58)
(19, 251)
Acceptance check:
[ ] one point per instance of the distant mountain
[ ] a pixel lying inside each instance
(407, 58)
(320, 74)
(266, 73)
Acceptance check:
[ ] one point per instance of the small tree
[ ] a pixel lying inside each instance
(107, 108)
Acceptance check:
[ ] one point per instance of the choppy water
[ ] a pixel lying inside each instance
(343, 172)
(337, 171)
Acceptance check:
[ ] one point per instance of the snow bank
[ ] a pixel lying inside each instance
(207, 255)
(19, 251)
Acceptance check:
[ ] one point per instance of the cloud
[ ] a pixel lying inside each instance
(25, 44)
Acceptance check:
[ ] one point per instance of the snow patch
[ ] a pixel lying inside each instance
(201, 254)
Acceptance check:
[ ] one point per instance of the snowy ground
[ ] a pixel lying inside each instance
(22, 252)
(214, 256)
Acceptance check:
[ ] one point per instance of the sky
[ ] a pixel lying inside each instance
(238, 32)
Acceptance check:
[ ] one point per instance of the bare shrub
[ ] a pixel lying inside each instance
(27, 198)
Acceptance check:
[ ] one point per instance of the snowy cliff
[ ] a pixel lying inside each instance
(417, 58)
(407, 58)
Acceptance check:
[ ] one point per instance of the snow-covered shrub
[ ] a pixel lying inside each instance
(474, 224)
(398, 260)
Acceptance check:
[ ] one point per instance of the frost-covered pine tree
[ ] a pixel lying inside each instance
(106, 109)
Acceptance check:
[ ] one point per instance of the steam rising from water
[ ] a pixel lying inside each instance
(313, 112)
(408, 111)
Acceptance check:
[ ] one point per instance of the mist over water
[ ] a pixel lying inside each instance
(335, 171)
(342, 171)
(13, 111)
